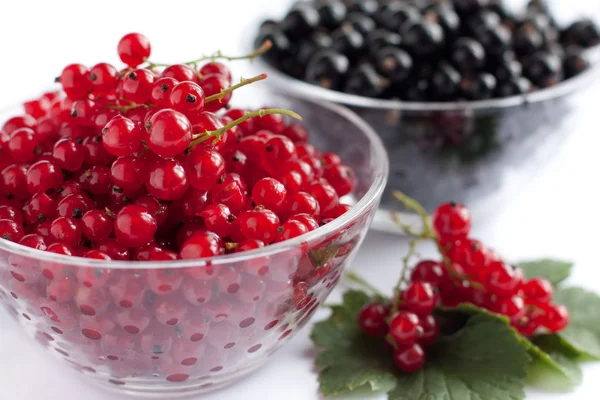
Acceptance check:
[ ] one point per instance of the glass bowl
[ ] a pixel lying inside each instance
(167, 329)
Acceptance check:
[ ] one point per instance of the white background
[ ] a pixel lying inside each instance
(556, 214)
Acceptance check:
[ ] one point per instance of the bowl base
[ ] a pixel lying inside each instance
(171, 390)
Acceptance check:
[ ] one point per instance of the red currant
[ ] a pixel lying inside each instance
(166, 179)
(66, 230)
(428, 271)
(128, 173)
(451, 220)
(205, 168)
(269, 193)
(121, 136)
(372, 319)
(134, 226)
(409, 359)
(136, 86)
(502, 279)
(134, 49)
(420, 298)
(23, 145)
(179, 72)
(10, 230)
(187, 97)
(405, 329)
(68, 154)
(555, 318)
(168, 133)
(259, 224)
(96, 225)
(75, 82)
(217, 218)
(103, 77)
(202, 244)
(43, 177)
(538, 289)
(430, 330)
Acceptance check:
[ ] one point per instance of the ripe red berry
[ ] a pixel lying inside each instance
(103, 77)
(187, 97)
(13, 213)
(74, 81)
(430, 330)
(74, 205)
(341, 177)
(66, 230)
(134, 49)
(179, 72)
(166, 179)
(214, 84)
(217, 218)
(40, 208)
(291, 229)
(13, 181)
(10, 230)
(128, 173)
(259, 224)
(538, 289)
(96, 225)
(372, 319)
(204, 168)
(43, 177)
(121, 136)
(302, 203)
(168, 133)
(502, 279)
(555, 318)
(161, 91)
(215, 68)
(269, 193)
(83, 112)
(307, 220)
(134, 226)
(405, 329)
(325, 195)
(512, 307)
(68, 154)
(451, 220)
(409, 359)
(23, 145)
(202, 244)
(428, 271)
(231, 191)
(420, 298)
(136, 86)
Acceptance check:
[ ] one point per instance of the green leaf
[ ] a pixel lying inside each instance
(351, 361)
(550, 361)
(483, 361)
(555, 271)
(582, 334)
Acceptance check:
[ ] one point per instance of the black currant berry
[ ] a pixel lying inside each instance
(360, 22)
(380, 38)
(424, 38)
(445, 83)
(332, 13)
(394, 63)
(482, 21)
(365, 81)
(395, 14)
(584, 33)
(478, 87)
(544, 69)
(575, 62)
(366, 7)
(495, 40)
(301, 20)
(527, 40)
(348, 41)
(467, 54)
(445, 15)
(513, 86)
(327, 69)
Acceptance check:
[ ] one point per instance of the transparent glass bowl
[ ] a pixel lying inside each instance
(461, 151)
(178, 328)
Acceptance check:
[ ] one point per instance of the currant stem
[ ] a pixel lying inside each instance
(218, 55)
(355, 278)
(243, 82)
(129, 107)
(202, 137)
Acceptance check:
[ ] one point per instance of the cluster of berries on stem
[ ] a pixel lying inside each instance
(468, 273)
(151, 162)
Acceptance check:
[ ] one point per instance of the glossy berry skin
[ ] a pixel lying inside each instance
(451, 220)
(429, 330)
(420, 298)
(74, 205)
(404, 328)
(41, 208)
(166, 179)
(121, 136)
(23, 144)
(538, 289)
(204, 168)
(134, 226)
(103, 77)
(66, 230)
(291, 229)
(96, 225)
(43, 177)
(161, 91)
(428, 271)
(269, 193)
(325, 195)
(74, 81)
(187, 97)
(341, 178)
(202, 244)
(501, 279)
(512, 307)
(372, 319)
(217, 218)
(259, 224)
(128, 173)
(134, 49)
(10, 230)
(231, 191)
(409, 359)
(136, 86)
(213, 85)
(556, 317)
(168, 133)
(179, 72)
(68, 154)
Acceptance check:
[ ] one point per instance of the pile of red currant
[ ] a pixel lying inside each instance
(469, 272)
(151, 163)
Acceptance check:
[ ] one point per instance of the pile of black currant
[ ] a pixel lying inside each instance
(436, 50)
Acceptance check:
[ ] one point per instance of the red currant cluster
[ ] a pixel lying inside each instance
(468, 273)
(150, 163)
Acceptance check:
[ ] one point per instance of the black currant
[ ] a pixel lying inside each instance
(467, 54)
(348, 41)
(424, 38)
(364, 81)
(478, 87)
(393, 63)
(544, 69)
(527, 40)
(360, 22)
(513, 86)
(575, 62)
(395, 14)
(328, 69)
(495, 40)
(332, 13)
(584, 33)
(380, 38)
(366, 7)
(302, 19)
(445, 83)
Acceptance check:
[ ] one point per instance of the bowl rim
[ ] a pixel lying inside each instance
(299, 88)
(373, 194)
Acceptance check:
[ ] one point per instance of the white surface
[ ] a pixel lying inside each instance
(555, 215)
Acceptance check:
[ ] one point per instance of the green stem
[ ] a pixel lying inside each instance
(243, 82)
(352, 277)
(218, 55)
(202, 137)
